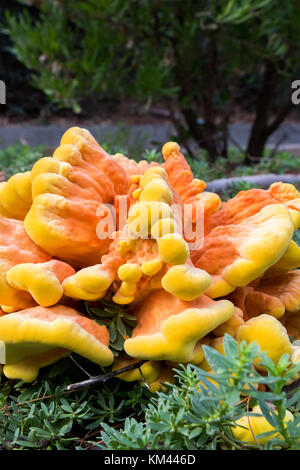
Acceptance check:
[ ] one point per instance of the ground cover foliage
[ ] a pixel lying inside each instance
(192, 413)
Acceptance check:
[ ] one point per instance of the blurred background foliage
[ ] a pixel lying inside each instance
(16, 75)
(200, 59)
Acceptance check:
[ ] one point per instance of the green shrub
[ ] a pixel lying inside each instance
(18, 158)
(197, 413)
(193, 413)
(200, 60)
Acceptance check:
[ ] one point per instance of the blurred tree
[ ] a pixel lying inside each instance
(22, 98)
(195, 56)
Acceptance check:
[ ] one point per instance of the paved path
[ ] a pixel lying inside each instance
(288, 135)
(50, 135)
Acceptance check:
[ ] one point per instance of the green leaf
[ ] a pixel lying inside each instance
(112, 333)
(215, 359)
(118, 344)
(121, 327)
(230, 347)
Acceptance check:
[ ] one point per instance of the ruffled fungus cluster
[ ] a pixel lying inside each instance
(84, 227)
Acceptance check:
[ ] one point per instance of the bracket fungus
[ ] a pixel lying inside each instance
(42, 280)
(270, 335)
(147, 254)
(68, 191)
(29, 334)
(248, 203)
(15, 248)
(235, 255)
(16, 196)
(169, 328)
(235, 272)
(255, 424)
(27, 369)
(274, 296)
(191, 190)
(146, 373)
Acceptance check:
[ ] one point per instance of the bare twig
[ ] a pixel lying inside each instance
(143, 378)
(82, 385)
(6, 407)
(101, 378)
(241, 401)
(248, 417)
(79, 366)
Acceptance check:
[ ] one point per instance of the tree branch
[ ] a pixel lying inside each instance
(101, 378)
(282, 114)
(82, 385)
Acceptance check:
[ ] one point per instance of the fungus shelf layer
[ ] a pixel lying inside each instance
(235, 272)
